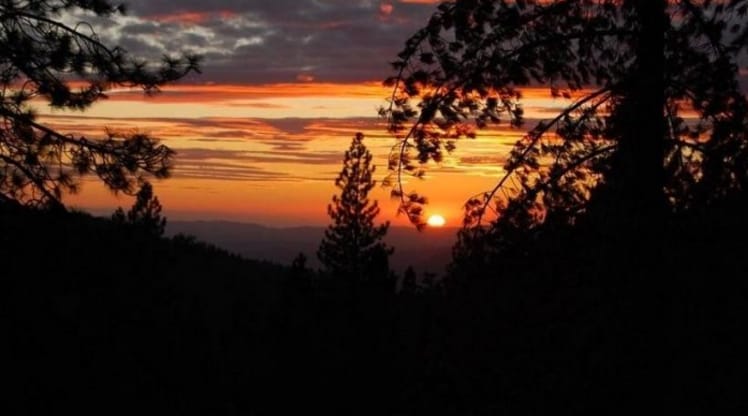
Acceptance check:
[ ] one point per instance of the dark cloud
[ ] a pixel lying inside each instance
(201, 163)
(268, 41)
(483, 160)
(286, 129)
(253, 157)
(285, 146)
(290, 125)
(259, 41)
(230, 172)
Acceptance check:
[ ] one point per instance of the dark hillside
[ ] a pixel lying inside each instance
(104, 317)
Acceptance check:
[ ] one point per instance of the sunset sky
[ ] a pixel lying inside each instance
(286, 84)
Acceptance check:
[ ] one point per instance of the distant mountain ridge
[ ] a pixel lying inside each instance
(427, 251)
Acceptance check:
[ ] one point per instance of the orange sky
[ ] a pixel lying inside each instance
(261, 133)
(270, 153)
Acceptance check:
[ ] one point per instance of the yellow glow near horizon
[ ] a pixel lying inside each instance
(436, 220)
(271, 153)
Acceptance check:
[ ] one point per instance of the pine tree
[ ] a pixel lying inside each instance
(410, 284)
(629, 69)
(624, 154)
(70, 67)
(145, 213)
(352, 246)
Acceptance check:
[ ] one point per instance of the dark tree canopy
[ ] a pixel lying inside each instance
(145, 213)
(353, 246)
(70, 67)
(656, 118)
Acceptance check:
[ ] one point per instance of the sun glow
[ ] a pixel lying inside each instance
(436, 221)
(237, 144)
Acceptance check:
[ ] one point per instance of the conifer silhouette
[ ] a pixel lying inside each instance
(41, 58)
(629, 69)
(145, 213)
(353, 246)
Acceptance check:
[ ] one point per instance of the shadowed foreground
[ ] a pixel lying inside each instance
(99, 318)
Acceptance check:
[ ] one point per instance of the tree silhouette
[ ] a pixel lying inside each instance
(352, 246)
(610, 206)
(145, 213)
(69, 67)
(410, 283)
(299, 263)
(634, 72)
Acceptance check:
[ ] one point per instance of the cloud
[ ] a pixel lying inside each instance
(229, 172)
(292, 149)
(255, 41)
(262, 166)
(253, 95)
(483, 160)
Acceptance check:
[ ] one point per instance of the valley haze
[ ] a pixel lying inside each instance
(427, 251)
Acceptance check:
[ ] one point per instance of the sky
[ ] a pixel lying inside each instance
(285, 85)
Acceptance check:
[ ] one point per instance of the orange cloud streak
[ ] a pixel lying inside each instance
(226, 92)
(190, 17)
(273, 168)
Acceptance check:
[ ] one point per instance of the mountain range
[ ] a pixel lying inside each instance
(427, 251)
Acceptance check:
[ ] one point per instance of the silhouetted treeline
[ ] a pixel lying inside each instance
(105, 318)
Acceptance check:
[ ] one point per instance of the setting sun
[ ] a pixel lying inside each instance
(436, 221)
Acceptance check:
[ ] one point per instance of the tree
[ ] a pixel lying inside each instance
(410, 284)
(630, 68)
(653, 139)
(352, 247)
(298, 265)
(70, 67)
(299, 280)
(145, 213)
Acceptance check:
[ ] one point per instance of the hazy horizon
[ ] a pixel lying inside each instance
(428, 250)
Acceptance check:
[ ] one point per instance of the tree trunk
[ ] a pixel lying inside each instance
(641, 147)
(638, 211)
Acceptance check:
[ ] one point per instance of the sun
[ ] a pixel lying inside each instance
(436, 221)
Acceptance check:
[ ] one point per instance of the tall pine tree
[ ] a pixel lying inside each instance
(352, 247)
